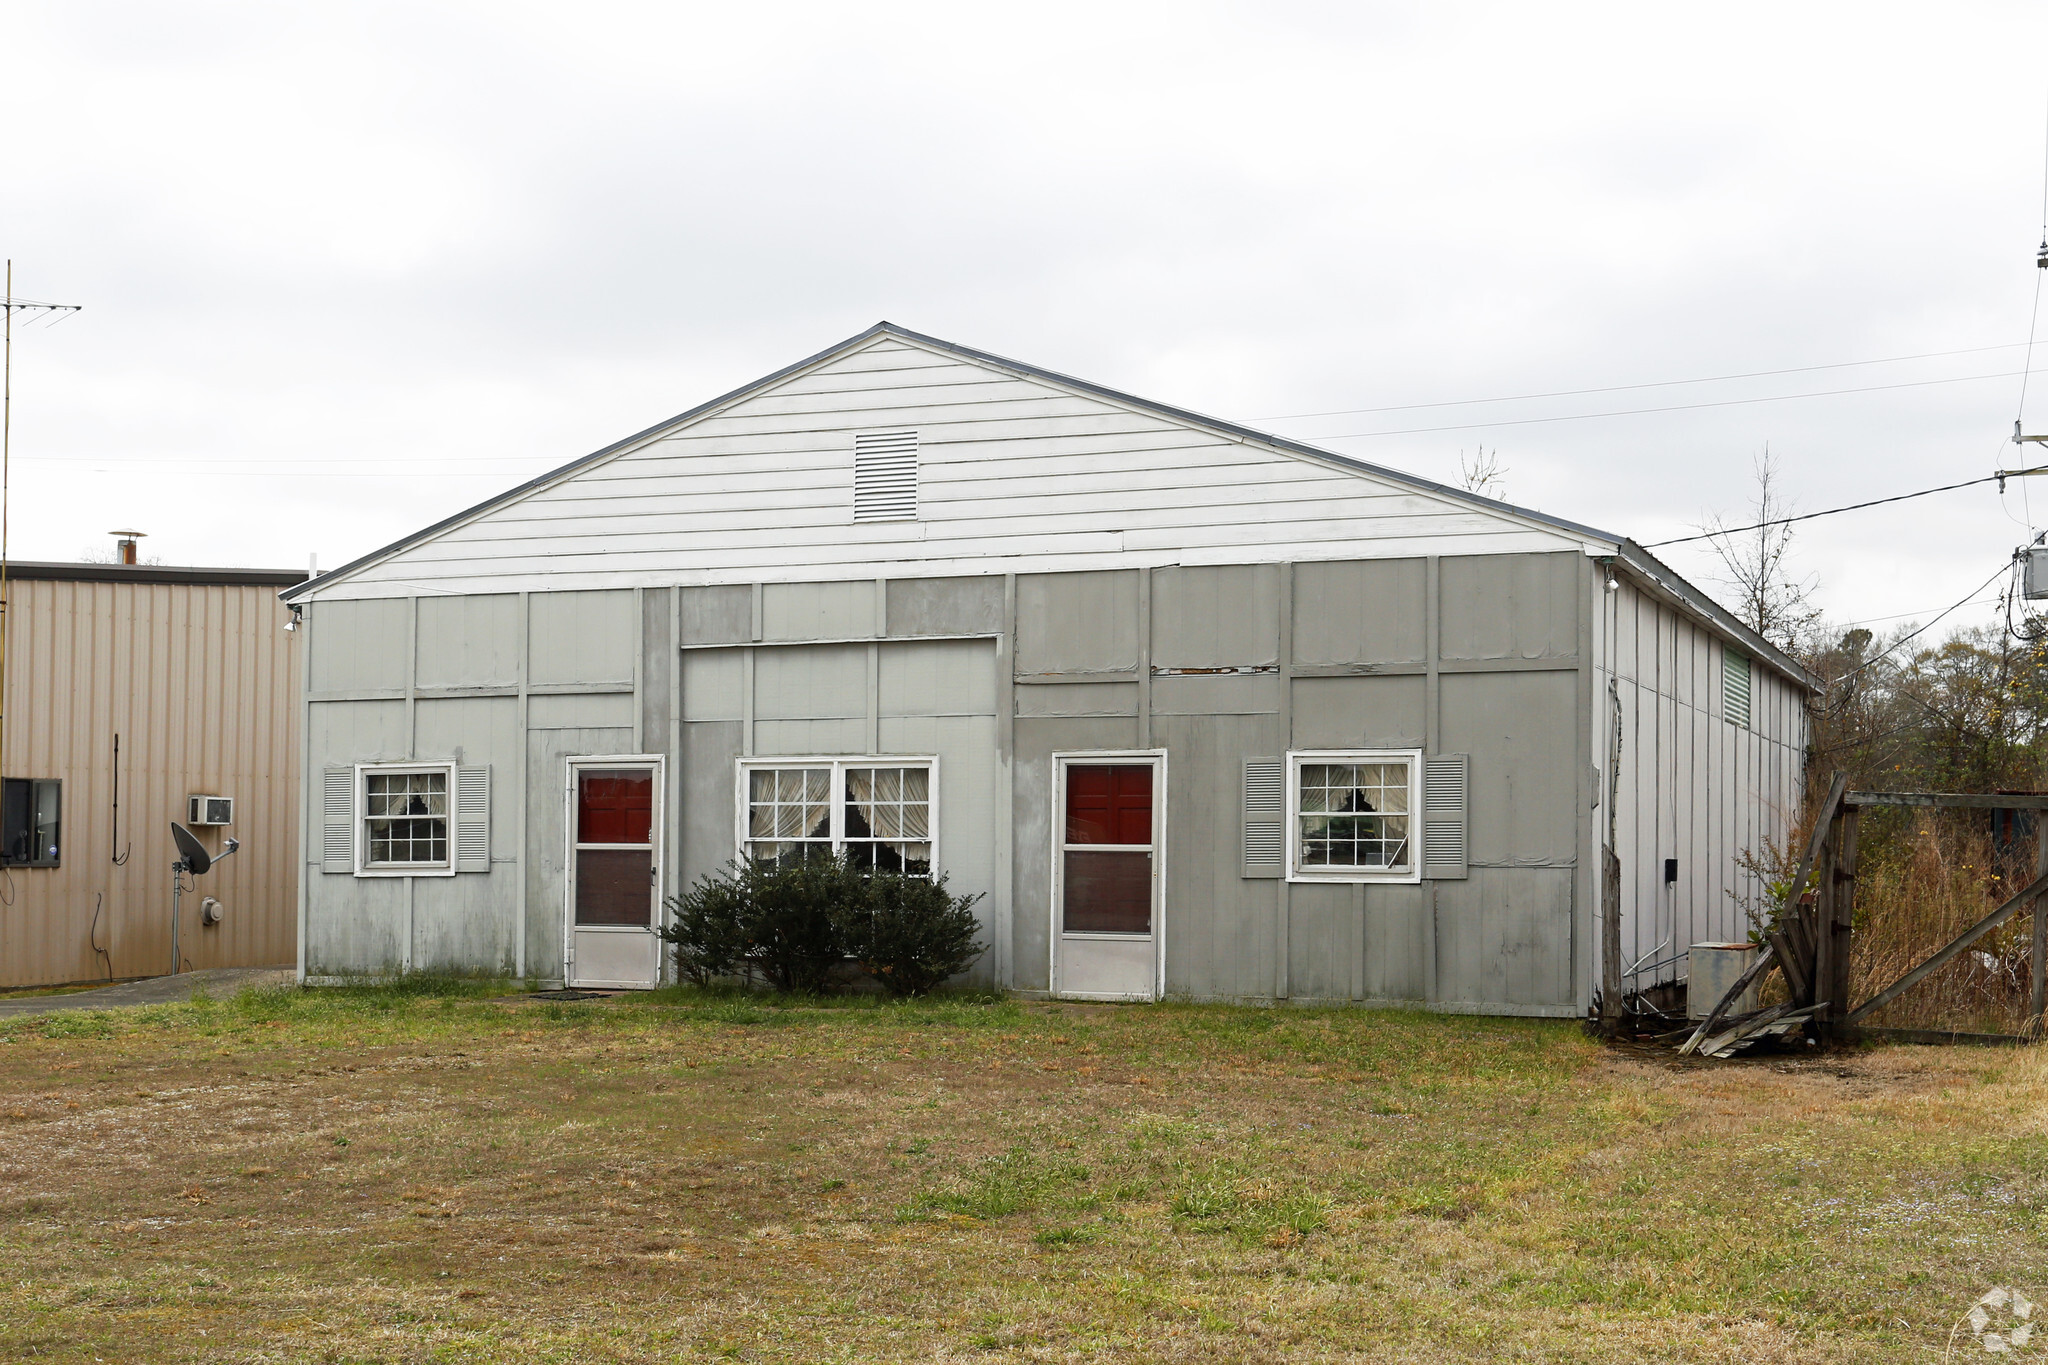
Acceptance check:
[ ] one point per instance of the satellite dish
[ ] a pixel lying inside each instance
(194, 853)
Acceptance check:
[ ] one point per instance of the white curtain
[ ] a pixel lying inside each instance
(896, 803)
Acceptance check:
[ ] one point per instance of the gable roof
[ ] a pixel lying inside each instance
(1645, 567)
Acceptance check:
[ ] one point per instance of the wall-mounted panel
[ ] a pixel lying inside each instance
(1077, 622)
(1216, 616)
(572, 711)
(946, 606)
(805, 682)
(1387, 712)
(1078, 699)
(1509, 606)
(810, 737)
(1224, 694)
(359, 646)
(1325, 948)
(714, 683)
(582, 637)
(817, 611)
(358, 732)
(1522, 733)
(1504, 937)
(938, 678)
(1220, 926)
(718, 616)
(469, 641)
(1361, 611)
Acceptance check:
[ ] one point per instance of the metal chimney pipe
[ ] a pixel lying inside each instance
(126, 541)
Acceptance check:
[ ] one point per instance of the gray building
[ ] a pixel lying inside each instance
(1204, 712)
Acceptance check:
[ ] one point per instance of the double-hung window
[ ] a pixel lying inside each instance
(877, 811)
(405, 819)
(1353, 816)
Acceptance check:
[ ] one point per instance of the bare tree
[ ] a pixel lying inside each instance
(1482, 474)
(1756, 564)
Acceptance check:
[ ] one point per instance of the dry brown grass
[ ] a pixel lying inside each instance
(355, 1177)
(1939, 879)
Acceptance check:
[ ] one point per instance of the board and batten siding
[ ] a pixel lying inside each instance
(1692, 784)
(1015, 475)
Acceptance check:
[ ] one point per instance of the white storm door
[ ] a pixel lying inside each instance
(614, 872)
(1107, 878)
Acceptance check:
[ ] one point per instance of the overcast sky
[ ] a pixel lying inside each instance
(349, 268)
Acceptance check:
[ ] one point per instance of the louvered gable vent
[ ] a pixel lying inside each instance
(1735, 688)
(885, 476)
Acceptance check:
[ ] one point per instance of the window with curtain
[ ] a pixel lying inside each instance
(877, 812)
(1352, 815)
(405, 817)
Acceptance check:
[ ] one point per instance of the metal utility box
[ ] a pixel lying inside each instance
(1714, 969)
(2034, 581)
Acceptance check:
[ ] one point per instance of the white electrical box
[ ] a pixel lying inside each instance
(2034, 581)
(210, 810)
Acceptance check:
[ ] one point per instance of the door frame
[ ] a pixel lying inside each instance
(1061, 761)
(657, 830)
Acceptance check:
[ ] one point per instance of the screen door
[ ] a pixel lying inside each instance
(614, 872)
(1107, 900)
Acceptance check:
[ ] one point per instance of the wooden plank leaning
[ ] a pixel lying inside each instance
(1825, 818)
(1955, 948)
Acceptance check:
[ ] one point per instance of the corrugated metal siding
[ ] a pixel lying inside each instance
(200, 682)
(1015, 475)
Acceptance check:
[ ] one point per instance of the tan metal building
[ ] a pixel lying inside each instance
(130, 689)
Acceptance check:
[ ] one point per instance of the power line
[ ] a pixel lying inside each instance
(1915, 634)
(1675, 407)
(1625, 388)
(1852, 507)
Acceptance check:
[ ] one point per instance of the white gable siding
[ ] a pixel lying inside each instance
(1015, 475)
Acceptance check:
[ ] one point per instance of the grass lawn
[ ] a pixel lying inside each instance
(391, 1175)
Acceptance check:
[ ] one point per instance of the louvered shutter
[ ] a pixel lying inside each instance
(473, 818)
(1263, 811)
(338, 820)
(885, 476)
(1735, 688)
(1446, 780)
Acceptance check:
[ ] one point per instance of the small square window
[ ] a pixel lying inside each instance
(1351, 816)
(405, 819)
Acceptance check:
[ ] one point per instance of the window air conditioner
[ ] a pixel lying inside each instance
(210, 810)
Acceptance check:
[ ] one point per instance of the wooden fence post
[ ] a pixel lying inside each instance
(2037, 998)
(1845, 912)
(1825, 945)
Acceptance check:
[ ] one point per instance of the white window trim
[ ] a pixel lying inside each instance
(838, 763)
(362, 804)
(1412, 873)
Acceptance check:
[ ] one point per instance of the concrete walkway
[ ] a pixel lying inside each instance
(218, 982)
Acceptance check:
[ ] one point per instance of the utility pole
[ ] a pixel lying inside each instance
(10, 305)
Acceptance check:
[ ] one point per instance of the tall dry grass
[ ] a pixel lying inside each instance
(1922, 885)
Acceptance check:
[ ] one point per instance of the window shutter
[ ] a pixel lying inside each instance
(1735, 688)
(1263, 810)
(1445, 780)
(338, 820)
(473, 818)
(885, 476)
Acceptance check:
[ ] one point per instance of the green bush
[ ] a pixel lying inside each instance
(793, 923)
(914, 933)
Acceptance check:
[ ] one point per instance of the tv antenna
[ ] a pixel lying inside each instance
(53, 313)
